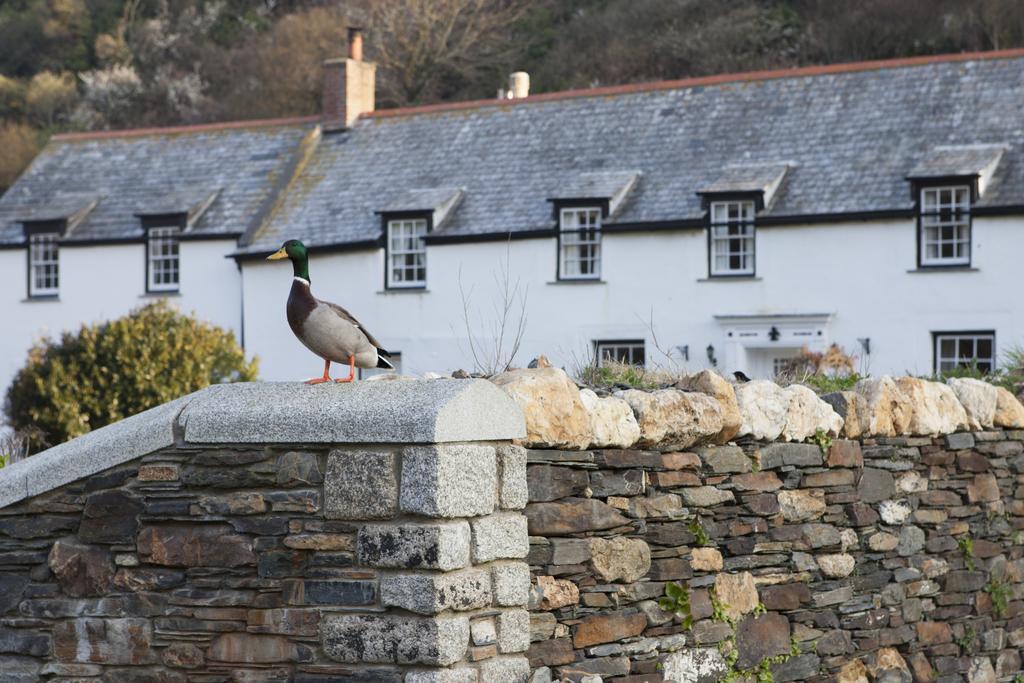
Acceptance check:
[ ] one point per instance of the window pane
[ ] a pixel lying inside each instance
(580, 239)
(732, 238)
(163, 251)
(969, 349)
(945, 225)
(631, 352)
(43, 264)
(407, 252)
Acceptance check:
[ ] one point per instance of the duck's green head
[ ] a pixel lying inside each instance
(295, 251)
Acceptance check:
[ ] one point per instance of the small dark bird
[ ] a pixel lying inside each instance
(740, 377)
(327, 329)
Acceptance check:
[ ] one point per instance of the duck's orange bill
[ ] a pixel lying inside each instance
(279, 254)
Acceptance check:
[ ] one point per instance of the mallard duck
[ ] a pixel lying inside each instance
(327, 329)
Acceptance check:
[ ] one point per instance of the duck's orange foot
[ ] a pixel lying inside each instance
(318, 380)
(351, 372)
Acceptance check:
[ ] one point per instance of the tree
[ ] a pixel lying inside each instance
(280, 73)
(109, 371)
(426, 49)
(50, 96)
(19, 146)
(12, 97)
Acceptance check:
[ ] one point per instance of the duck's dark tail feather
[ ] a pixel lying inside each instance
(382, 360)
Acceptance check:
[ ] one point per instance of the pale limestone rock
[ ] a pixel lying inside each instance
(848, 539)
(806, 414)
(936, 408)
(557, 592)
(888, 410)
(894, 512)
(695, 665)
(888, 665)
(801, 506)
(836, 566)
(981, 671)
(706, 560)
(883, 542)
(714, 385)
(911, 482)
(738, 593)
(612, 424)
(763, 408)
(550, 401)
(1009, 411)
(619, 559)
(853, 671)
(673, 419)
(978, 398)
(850, 406)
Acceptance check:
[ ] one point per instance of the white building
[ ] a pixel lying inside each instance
(736, 219)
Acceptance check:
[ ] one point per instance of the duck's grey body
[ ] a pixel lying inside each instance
(329, 331)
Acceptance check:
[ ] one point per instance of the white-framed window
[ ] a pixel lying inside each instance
(579, 238)
(396, 360)
(163, 262)
(43, 264)
(965, 350)
(630, 351)
(732, 238)
(946, 226)
(407, 253)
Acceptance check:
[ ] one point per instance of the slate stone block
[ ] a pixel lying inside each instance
(110, 517)
(342, 593)
(760, 637)
(570, 516)
(104, 641)
(876, 485)
(196, 545)
(546, 483)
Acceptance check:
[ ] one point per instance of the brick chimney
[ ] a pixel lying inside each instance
(349, 85)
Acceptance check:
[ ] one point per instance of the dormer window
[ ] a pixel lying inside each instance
(163, 265)
(579, 243)
(945, 226)
(731, 238)
(732, 201)
(406, 253)
(43, 264)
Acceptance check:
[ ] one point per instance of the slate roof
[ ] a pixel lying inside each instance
(223, 177)
(848, 136)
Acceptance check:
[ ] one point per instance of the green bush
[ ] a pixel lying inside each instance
(106, 372)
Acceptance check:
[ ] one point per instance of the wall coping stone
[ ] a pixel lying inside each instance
(408, 412)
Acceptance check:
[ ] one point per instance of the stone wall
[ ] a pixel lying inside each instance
(790, 553)
(387, 531)
(253, 559)
(847, 562)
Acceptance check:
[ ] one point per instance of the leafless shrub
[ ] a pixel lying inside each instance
(14, 446)
(494, 343)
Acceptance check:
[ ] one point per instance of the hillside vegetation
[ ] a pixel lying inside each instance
(108, 64)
